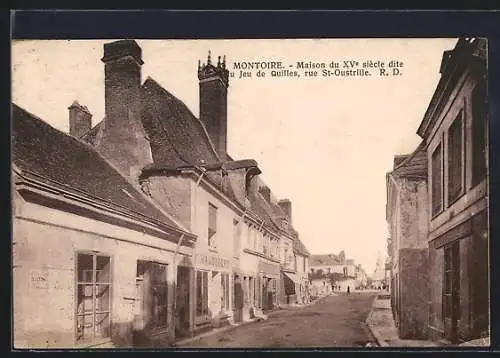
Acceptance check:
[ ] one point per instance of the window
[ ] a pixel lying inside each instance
(224, 306)
(455, 155)
(345, 271)
(266, 245)
(93, 304)
(201, 293)
(236, 237)
(451, 287)
(212, 225)
(479, 128)
(304, 264)
(249, 237)
(151, 286)
(436, 172)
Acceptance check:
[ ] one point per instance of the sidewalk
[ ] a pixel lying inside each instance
(382, 326)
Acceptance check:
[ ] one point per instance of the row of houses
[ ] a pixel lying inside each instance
(438, 212)
(142, 229)
(335, 272)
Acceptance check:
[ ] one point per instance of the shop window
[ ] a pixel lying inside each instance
(201, 293)
(212, 225)
(225, 292)
(479, 130)
(236, 237)
(455, 157)
(151, 285)
(436, 172)
(93, 306)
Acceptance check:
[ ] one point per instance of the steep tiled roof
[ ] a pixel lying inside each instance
(299, 247)
(55, 156)
(179, 139)
(176, 136)
(91, 136)
(414, 164)
(329, 259)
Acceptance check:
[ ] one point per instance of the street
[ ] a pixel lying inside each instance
(334, 321)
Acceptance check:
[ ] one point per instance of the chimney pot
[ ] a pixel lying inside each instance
(122, 48)
(80, 120)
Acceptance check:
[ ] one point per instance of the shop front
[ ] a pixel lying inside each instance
(269, 277)
(290, 286)
(213, 293)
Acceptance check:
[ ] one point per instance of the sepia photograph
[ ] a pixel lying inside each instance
(250, 193)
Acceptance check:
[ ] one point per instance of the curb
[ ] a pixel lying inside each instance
(377, 337)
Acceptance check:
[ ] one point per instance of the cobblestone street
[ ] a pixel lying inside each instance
(335, 321)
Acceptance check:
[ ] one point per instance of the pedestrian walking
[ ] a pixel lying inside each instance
(348, 290)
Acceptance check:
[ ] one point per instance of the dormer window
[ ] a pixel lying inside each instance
(284, 223)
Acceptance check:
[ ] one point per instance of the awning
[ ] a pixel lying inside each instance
(292, 276)
(290, 280)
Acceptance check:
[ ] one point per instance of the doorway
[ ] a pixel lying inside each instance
(238, 295)
(451, 291)
(182, 302)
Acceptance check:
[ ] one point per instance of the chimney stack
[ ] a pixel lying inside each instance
(286, 206)
(124, 141)
(265, 192)
(80, 120)
(214, 81)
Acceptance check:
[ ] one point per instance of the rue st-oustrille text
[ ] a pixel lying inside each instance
(310, 69)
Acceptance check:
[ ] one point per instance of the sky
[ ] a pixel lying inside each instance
(325, 143)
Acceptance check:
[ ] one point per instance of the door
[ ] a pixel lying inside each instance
(182, 301)
(238, 295)
(451, 291)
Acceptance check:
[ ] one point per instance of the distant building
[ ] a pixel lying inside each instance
(340, 270)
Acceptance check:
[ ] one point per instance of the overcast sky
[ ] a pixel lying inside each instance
(324, 143)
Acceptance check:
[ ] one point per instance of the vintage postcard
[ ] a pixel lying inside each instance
(288, 193)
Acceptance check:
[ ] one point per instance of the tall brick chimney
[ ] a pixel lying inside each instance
(124, 141)
(286, 206)
(80, 120)
(214, 81)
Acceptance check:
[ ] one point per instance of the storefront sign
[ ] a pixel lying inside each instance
(212, 261)
(266, 267)
(40, 279)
